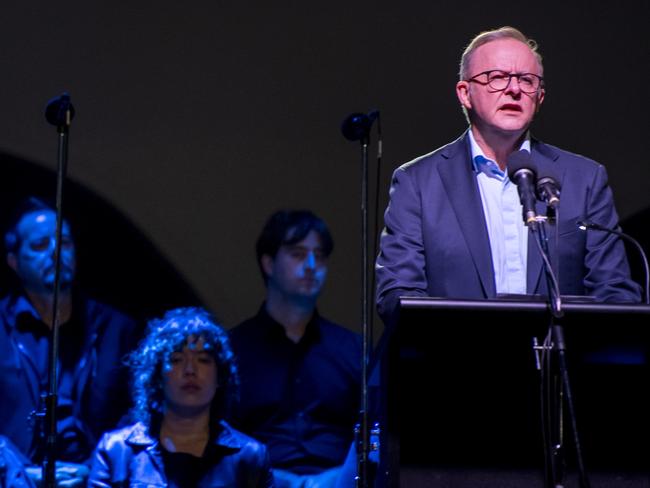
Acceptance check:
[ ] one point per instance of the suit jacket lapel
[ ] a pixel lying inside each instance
(545, 159)
(458, 178)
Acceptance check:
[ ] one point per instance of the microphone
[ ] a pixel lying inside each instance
(60, 111)
(586, 225)
(522, 171)
(548, 190)
(356, 126)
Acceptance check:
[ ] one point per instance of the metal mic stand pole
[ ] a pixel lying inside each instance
(59, 112)
(362, 461)
(555, 448)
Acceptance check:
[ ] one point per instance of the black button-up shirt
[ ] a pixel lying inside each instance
(300, 399)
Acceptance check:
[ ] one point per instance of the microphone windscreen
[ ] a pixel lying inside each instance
(518, 160)
(57, 108)
(356, 126)
(547, 171)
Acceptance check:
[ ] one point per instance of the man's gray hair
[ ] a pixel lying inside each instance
(505, 32)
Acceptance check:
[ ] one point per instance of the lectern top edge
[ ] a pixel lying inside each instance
(533, 304)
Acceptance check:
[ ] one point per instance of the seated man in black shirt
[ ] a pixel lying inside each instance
(93, 338)
(300, 373)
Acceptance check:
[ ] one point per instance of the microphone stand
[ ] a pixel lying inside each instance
(362, 461)
(554, 433)
(59, 112)
(357, 127)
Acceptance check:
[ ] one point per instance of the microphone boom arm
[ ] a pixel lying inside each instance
(584, 225)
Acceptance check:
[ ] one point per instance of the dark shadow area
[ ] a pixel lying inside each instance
(463, 392)
(490, 478)
(116, 262)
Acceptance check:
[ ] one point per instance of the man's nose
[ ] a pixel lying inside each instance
(513, 85)
(310, 260)
(51, 246)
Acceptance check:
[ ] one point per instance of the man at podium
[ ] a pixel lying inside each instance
(454, 230)
(454, 227)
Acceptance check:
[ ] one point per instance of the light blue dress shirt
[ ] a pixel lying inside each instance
(503, 218)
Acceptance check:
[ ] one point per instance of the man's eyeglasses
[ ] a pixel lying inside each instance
(499, 80)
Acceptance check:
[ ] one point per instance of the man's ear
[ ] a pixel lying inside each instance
(462, 92)
(267, 264)
(540, 99)
(12, 261)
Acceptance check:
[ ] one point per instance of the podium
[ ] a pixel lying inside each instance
(460, 388)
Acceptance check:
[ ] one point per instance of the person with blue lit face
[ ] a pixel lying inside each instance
(93, 338)
(300, 373)
(32, 259)
(184, 385)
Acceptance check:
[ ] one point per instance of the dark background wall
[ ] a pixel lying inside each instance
(196, 120)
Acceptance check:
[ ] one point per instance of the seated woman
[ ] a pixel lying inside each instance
(184, 381)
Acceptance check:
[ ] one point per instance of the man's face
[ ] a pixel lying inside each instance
(191, 382)
(33, 261)
(506, 112)
(298, 270)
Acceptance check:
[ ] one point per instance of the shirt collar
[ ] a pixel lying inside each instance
(23, 314)
(224, 436)
(22, 305)
(276, 330)
(482, 164)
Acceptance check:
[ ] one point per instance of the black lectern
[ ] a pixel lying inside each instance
(460, 387)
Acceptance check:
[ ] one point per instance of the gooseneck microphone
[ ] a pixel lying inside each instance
(522, 172)
(548, 190)
(586, 225)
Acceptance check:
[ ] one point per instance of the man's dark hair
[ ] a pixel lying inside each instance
(288, 227)
(25, 207)
(151, 360)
